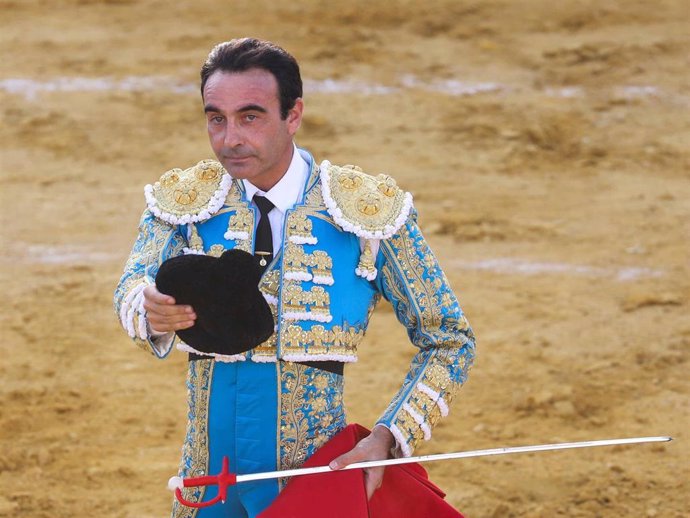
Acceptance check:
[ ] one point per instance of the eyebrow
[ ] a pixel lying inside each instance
(248, 108)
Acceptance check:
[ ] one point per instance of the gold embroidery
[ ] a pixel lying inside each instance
(306, 305)
(294, 436)
(299, 227)
(242, 222)
(296, 261)
(185, 197)
(349, 180)
(207, 174)
(195, 459)
(367, 266)
(269, 283)
(185, 192)
(234, 195)
(195, 242)
(267, 348)
(311, 412)
(319, 301)
(437, 378)
(314, 198)
(369, 204)
(387, 185)
(366, 202)
(426, 283)
(408, 426)
(319, 340)
(216, 250)
(425, 406)
(322, 263)
(295, 298)
(269, 286)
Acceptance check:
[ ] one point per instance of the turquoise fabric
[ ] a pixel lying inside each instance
(244, 402)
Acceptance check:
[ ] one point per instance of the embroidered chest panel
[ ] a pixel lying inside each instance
(320, 306)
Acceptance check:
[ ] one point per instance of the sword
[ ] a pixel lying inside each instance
(225, 478)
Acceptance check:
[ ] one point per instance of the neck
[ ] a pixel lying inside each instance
(265, 184)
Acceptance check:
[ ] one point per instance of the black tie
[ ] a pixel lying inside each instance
(263, 248)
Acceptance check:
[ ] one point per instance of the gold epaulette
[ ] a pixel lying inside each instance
(371, 207)
(195, 194)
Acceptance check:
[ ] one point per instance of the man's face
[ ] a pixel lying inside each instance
(246, 131)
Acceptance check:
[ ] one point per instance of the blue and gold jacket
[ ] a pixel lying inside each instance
(351, 239)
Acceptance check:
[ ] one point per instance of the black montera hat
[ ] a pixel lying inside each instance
(232, 315)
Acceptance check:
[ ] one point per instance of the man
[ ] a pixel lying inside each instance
(339, 239)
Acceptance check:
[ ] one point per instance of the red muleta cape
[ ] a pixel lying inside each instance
(406, 491)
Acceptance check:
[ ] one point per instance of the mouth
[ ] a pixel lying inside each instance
(236, 162)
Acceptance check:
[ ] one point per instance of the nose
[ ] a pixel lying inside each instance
(233, 136)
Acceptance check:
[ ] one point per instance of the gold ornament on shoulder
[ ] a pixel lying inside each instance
(180, 192)
(370, 203)
(350, 181)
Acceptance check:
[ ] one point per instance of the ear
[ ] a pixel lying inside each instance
(294, 116)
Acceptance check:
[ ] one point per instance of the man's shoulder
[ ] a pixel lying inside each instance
(372, 207)
(189, 195)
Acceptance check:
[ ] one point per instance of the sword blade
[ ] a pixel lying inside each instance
(456, 455)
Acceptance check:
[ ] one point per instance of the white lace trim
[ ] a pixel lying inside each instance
(298, 276)
(400, 439)
(307, 315)
(303, 240)
(236, 234)
(260, 358)
(304, 357)
(225, 358)
(322, 279)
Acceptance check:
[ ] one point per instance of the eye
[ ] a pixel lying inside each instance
(250, 117)
(217, 119)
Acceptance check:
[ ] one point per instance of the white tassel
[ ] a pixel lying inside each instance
(369, 275)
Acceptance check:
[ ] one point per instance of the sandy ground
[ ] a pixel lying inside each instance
(546, 144)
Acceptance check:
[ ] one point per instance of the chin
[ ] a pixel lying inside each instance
(239, 173)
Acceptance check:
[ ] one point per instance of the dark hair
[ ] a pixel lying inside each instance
(246, 53)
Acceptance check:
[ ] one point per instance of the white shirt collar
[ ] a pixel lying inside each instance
(287, 192)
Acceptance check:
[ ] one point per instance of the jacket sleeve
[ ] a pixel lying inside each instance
(411, 279)
(156, 242)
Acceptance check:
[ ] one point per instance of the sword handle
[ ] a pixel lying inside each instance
(222, 480)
